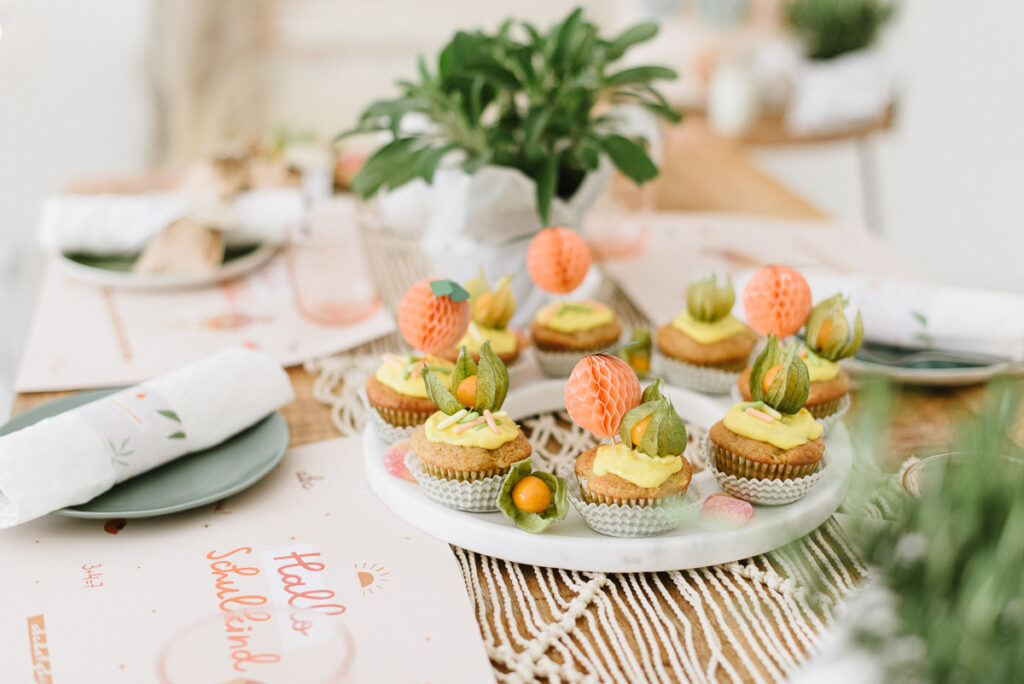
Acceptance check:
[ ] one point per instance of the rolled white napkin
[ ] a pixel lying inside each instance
(75, 456)
(123, 224)
(920, 315)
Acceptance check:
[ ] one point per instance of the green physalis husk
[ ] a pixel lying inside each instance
(707, 302)
(791, 385)
(665, 435)
(525, 520)
(491, 382)
(838, 343)
(638, 352)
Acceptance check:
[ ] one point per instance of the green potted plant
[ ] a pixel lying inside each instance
(511, 131)
(842, 81)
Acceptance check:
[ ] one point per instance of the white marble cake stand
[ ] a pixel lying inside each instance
(570, 544)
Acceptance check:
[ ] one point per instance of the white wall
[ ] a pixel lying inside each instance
(952, 171)
(73, 102)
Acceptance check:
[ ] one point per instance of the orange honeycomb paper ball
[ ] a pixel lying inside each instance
(558, 260)
(777, 300)
(428, 322)
(599, 392)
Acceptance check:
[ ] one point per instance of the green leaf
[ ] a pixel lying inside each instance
(474, 162)
(632, 36)
(566, 35)
(653, 391)
(439, 394)
(176, 435)
(166, 413)
(464, 367)
(491, 380)
(546, 181)
(449, 288)
(383, 165)
(649, 442)
(640, 74)
(630, 158)
(632, 417)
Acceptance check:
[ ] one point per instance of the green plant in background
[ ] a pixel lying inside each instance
(829, 28)
(951, 562)
(520, 98)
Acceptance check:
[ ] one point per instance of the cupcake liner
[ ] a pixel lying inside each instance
(706, 379)
(829, 408)
(475, 496)
(401, 426)
(761, 491)
(626, 520)
(559, 364)
(734, 464)
(829, 421)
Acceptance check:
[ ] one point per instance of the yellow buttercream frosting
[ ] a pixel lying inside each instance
(786, 433)
(483, 437)
(708, 332)
(412, 386)
(634, 466)
(503, 340)
(819, 369)
(569, 317)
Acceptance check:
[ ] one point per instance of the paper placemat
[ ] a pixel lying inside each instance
(685, 246)
(93, 602)
(90, 336)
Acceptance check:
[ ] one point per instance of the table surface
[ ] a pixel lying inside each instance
(702, 172)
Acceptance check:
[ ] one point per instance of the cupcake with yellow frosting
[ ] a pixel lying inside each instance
(490, 311)
(705, 347)
(563, 332)
(462, 452)
(769, 450)
(396, 392)
(636, 486)
(828, 338)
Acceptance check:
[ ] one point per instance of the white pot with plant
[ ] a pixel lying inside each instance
(842, 81)
(515, 130)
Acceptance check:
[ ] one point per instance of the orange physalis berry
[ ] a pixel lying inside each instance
(466, 391)
(769, 377)
(531, 494)
(637, 433)
(826, 327)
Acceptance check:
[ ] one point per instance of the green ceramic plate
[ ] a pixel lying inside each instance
(190, 481)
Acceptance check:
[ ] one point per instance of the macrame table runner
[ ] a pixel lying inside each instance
(755, 620)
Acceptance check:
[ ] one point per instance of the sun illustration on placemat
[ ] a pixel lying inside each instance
(371, 577)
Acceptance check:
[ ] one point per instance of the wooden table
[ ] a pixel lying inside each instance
(702, 172)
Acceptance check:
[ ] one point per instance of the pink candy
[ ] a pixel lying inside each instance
(724, 510)
(394, 460)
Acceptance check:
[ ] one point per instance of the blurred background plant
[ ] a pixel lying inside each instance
(829, 28)
(534, 101)
(946, 563)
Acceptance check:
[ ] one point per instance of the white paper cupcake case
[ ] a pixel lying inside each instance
(558, 364)
(475, 496)
(699, 378)
(763, 492)
(827, 423)
(630, 521)
(388, 433)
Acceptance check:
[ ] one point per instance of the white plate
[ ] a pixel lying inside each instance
(166, 281)
(937, 377)
(572, 545)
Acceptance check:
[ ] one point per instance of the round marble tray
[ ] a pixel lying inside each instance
(570, 544)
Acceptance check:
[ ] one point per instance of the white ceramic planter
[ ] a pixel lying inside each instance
(837, 94)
